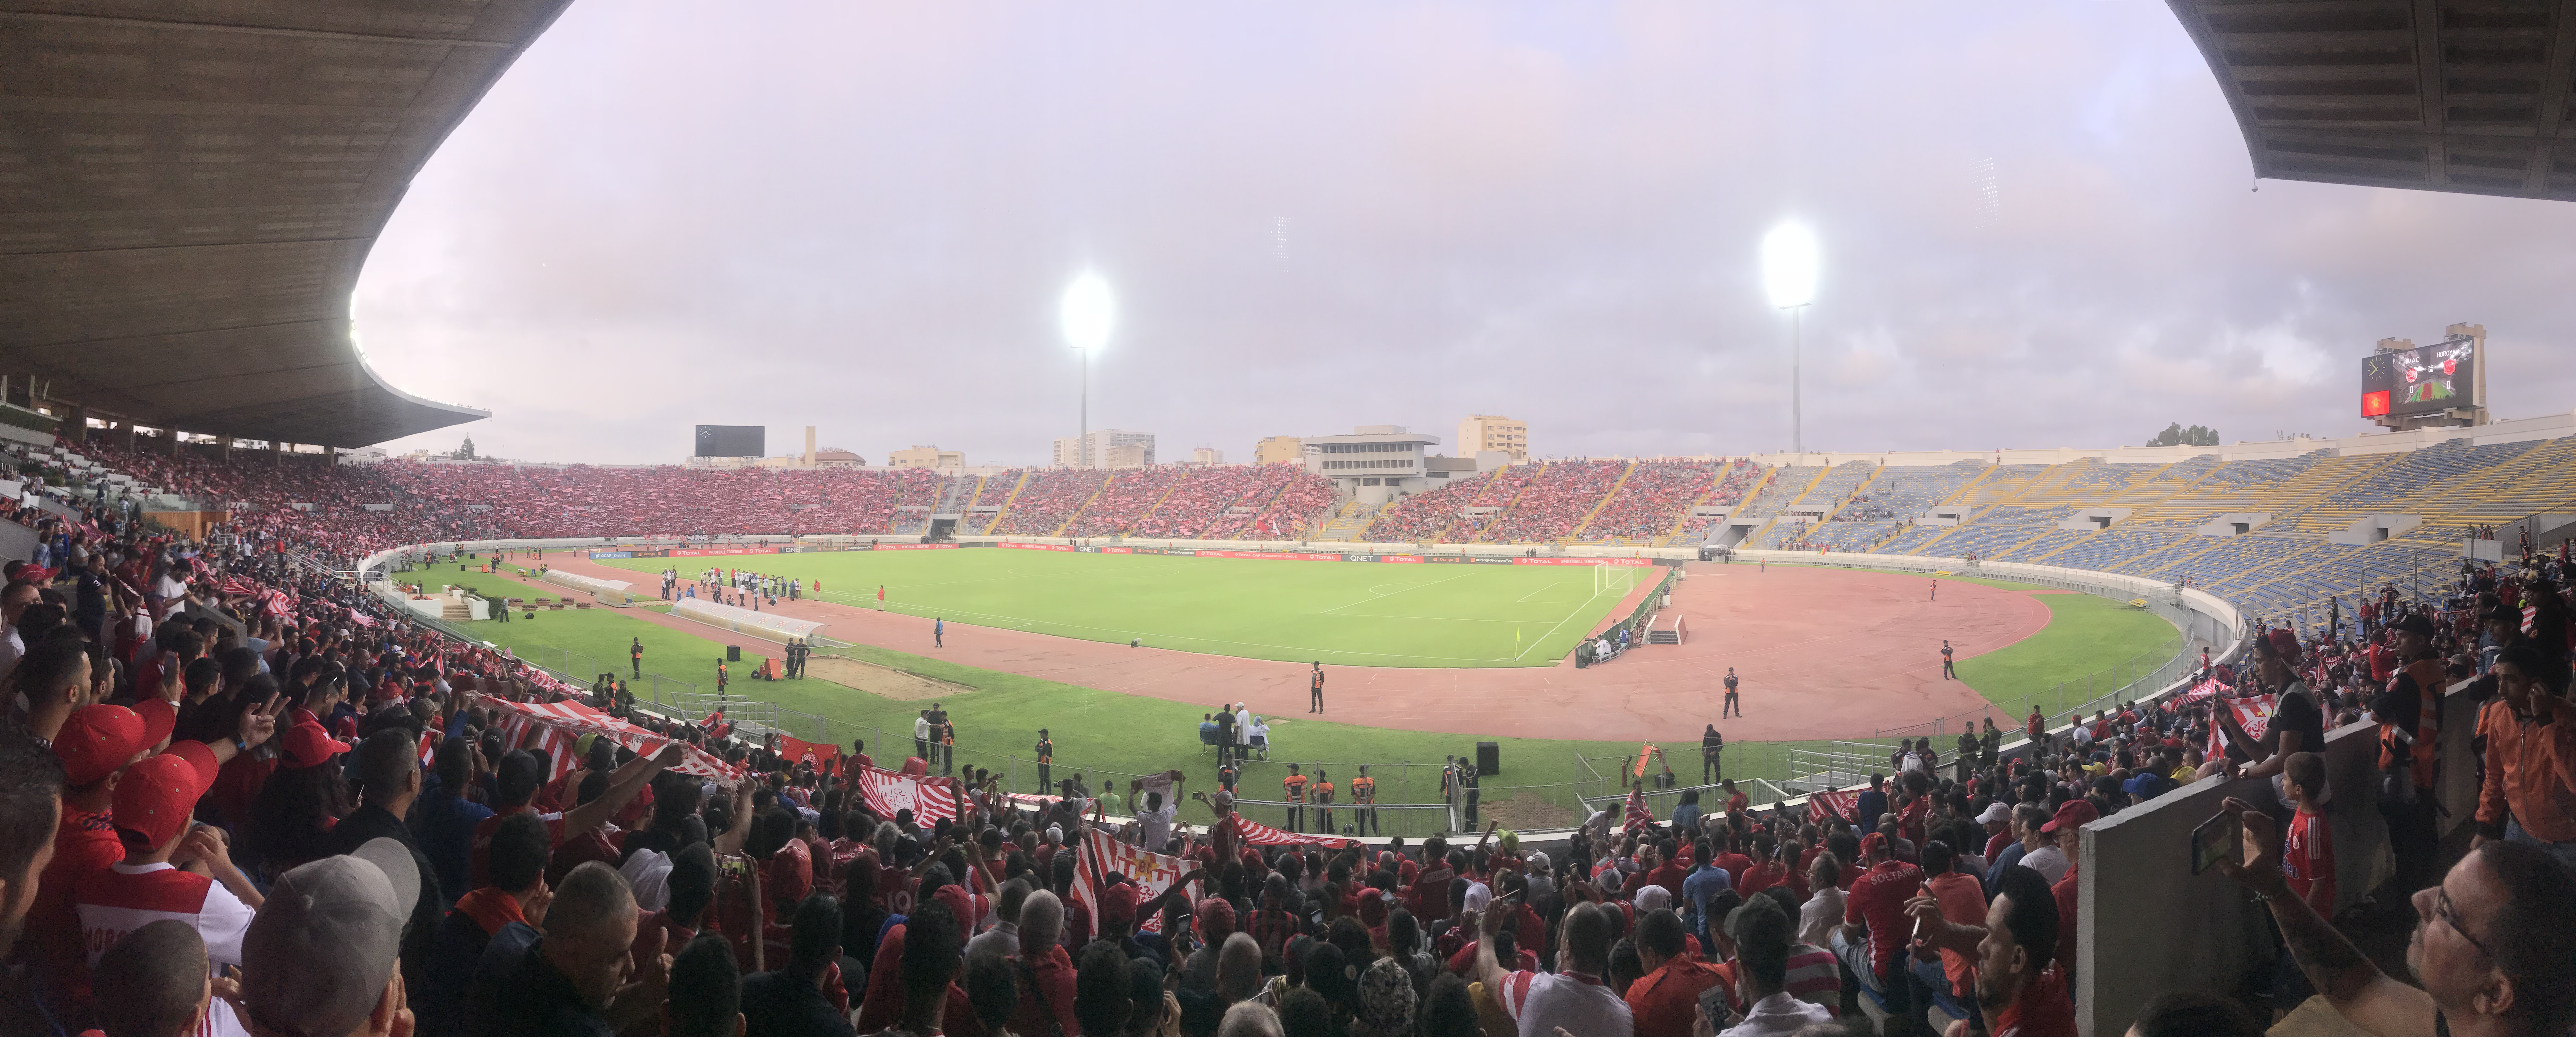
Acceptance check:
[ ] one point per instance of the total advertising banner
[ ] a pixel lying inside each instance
(1640, 562)
(913, 547)
(1290, 556)
(1152, 873)
(1068, 548)
(704, 552)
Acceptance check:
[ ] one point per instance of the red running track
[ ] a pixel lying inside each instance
(1821, 653)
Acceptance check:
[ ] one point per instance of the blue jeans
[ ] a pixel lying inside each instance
(2565, 852)
(1894, 990)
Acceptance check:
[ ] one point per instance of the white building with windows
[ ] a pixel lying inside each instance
(1378, 463)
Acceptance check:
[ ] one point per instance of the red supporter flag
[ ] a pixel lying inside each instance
(1150, 873)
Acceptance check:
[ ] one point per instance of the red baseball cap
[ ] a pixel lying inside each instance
(97, 740)
(1118, 905)
(159, 794)
(159, 717)
(2076, 813)
(306, 745)
(1874, 842)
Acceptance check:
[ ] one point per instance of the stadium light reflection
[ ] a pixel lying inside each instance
(1789, 263)
(1087, 313)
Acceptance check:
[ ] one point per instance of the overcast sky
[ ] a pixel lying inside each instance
(2036, 219)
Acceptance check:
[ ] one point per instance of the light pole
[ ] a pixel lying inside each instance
(1789, 261)
(1085, 315)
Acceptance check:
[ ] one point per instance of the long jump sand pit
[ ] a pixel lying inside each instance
(1821, 653)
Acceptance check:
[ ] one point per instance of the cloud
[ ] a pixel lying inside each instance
(858, 217)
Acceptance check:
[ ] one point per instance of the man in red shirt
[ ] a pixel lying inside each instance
(1876, 904)
(1666, 872)
(2065, 828)
(518, 779)
(1662, 1001)
(2019, 986)
(1730, 860)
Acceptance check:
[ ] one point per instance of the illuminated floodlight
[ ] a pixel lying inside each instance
(1789, 263)
(1087, 313)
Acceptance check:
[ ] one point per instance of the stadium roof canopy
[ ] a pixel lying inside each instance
(191, 186)
(2431, 95)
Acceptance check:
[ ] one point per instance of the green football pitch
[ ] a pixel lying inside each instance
(1350, 613)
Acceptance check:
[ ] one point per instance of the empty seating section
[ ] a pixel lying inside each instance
(1556, 502)
(1787, 482)
(1826, 493)
(1877, 516)
(1995, 530)
(2118, 546)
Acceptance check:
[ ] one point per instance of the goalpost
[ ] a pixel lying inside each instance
(1613, 579)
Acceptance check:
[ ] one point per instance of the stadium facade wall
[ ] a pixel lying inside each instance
(2552, 426)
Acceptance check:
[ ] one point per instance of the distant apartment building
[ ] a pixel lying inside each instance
(1207, 455)
(1481, 432)
(1094, 450)
(926, 457)
(1279, 450)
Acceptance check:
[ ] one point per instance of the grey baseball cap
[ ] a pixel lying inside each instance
(319, 951)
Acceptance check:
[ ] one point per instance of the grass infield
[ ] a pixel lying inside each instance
(1347, 613)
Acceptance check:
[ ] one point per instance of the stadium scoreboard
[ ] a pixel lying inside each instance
(2423, 380)
(732, 440)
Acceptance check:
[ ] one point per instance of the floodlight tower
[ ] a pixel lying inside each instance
(1789, 262)
(1085, 315)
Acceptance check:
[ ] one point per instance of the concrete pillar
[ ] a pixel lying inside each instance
(170, 438)
(330, 455)
(75, 423)
(227, 448)
(277, 452)
(125, 434)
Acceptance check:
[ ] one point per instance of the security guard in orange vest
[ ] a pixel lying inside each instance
(1363, 801)
(2409, 710)
(1295, 783)
(1324, 800)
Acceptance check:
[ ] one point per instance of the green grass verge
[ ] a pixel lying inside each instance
(1350, 613)
(2085, 634)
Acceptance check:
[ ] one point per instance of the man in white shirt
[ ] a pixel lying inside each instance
(1575, 1000)
(1154, 815)
(13, 602)
(1242, 729)
(2040, 853)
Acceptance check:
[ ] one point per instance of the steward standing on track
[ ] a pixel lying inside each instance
(1364, 802)
(1295, 784)
(635, 655)
(1315, 689)
(1733, 705)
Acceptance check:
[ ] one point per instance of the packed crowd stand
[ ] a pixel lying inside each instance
(236, 797)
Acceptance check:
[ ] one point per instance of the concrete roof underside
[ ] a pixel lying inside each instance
(2429, 95)
(188, 189)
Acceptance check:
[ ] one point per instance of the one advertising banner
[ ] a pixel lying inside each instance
(1152, 873)
(1289, 556)
(1491, 560)
(1401, 559)
(1446, 559)
(612, 554)
(1639, 562)
(705, 552)
(1035, 547)
(913, 547)
(1117, 550)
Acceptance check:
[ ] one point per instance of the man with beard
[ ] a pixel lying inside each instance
(2021, 991)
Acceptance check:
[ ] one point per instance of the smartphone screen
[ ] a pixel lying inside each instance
(2213, 841)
